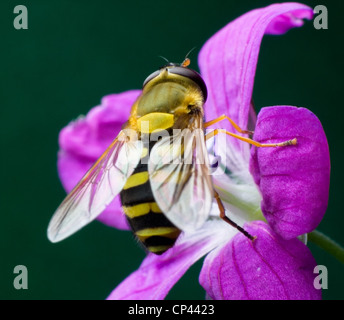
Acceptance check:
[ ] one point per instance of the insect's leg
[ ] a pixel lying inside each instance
(250, 141)
(224, 117)
(229, 221)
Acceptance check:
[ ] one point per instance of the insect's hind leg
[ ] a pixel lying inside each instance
(229, 221)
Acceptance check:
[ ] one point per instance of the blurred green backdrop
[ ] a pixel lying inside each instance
(73, 54)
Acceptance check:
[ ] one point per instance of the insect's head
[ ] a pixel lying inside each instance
(180, 69)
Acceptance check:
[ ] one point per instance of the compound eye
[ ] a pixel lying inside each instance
(151, 77)
(184, 72)
(192, 75)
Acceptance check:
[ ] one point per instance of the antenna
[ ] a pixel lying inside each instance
(187, 61)
(164, 59)
(190, 52)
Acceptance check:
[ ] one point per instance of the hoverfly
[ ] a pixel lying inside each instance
(159, 198)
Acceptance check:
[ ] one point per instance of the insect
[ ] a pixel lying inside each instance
(158, 164)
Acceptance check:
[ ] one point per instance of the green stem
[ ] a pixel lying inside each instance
(327, 244)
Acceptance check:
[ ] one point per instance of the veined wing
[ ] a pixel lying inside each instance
(96, 189)
(180, 178)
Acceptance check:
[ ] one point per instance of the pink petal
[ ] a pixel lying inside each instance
(83, 141)
(228, 60)
(158, 274)
(269, 268)
(294, 180)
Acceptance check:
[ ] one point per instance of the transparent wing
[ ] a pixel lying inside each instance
(96, 189)
(180, 178)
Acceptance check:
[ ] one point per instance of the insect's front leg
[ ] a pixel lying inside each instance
(248, 140)
(224, 117)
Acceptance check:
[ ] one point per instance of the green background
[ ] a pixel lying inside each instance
(73, 54)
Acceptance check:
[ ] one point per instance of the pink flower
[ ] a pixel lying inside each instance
(286, 186)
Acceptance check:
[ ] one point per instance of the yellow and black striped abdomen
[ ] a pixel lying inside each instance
(145, 218)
